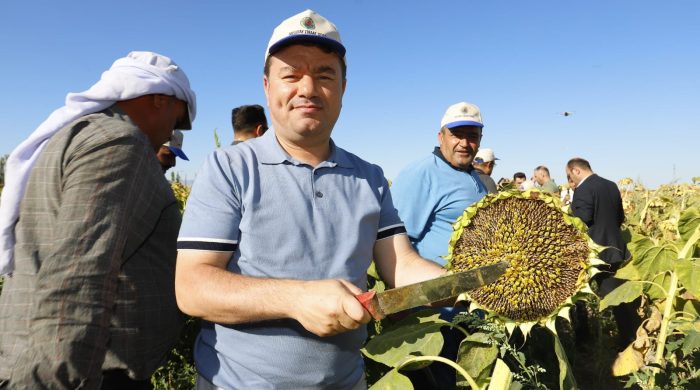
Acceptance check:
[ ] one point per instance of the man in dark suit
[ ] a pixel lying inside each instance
(598, 203)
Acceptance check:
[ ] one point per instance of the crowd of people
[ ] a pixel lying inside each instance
(274, 245)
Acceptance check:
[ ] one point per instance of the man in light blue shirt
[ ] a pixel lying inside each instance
(279, 231)
(430, 195)
(433, 192)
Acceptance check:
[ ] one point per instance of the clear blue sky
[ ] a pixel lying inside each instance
(628, 70)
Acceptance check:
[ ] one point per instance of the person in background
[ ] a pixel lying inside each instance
(279, 232)
(171, 149)
(544, 181)
(89, 300)
(483, 163)
(597, 201)
(430, 195)
(518, 179)
(567, 193)
(248, 122)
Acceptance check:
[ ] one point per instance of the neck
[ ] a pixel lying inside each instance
(312, 154)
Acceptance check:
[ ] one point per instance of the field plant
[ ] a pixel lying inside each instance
(663, 232)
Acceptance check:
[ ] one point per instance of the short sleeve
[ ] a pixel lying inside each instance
(213, 210)
(389, 222)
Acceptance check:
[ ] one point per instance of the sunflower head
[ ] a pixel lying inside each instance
(551, 257)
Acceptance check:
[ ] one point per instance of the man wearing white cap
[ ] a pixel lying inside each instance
(89, 226)
(483, 163)
(280, 230)
(171, 149)
(432, 193)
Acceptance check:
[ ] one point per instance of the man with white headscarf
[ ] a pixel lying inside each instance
(88, 226)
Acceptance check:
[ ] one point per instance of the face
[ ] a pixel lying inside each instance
(573, 175)
(571, 182)
(166, 158)
(488, 167)
(519, 180)
(172, 115)
(459, 145)
(537, 176)
(304, 91)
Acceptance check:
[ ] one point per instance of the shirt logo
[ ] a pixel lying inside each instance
(308, 23)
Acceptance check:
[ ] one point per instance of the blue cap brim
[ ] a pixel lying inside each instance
(335, 45)
(463, 123)
(178, 152)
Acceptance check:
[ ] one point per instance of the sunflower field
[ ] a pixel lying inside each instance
(521, 331)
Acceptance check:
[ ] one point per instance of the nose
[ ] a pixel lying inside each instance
(307, 87)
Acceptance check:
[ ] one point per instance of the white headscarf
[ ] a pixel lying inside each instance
(139, 73)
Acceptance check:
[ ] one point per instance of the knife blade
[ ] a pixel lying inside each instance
(380, 304)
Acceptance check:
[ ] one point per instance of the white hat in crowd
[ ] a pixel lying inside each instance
(175, 144)
(306, 26)
(485, 155)
(462, 114)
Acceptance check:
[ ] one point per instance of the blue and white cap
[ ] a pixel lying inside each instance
(462, 114)
(306, 26)
(175, 144)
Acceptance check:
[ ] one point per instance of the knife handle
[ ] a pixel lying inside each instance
(369, 301)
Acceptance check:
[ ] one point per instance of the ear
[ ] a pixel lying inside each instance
(440, 134)
(259, 131)
(266, 87)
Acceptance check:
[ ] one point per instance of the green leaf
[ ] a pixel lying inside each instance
(691, 341)
(656, 293)
(688, 222)
(372, 271)
(392, 380)
(502, 376)
(689, 275)
(476, 355)
(566, 375)
(648, 259)
(416, 335)
(626, 292)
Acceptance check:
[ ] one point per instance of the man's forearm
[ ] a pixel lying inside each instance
(218, 295)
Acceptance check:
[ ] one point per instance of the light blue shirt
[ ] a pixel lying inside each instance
(285, 219)
(430, 195)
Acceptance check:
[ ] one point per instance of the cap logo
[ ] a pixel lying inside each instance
(308, 23)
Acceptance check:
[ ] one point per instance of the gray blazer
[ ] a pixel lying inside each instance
(93, 286)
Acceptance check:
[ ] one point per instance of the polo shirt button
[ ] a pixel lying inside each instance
(319, 194)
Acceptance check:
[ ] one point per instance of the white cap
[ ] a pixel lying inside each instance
(484, 155)
(306, 26)
(175, 144)
(462, 114)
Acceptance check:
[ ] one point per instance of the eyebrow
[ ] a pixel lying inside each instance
(325, 69)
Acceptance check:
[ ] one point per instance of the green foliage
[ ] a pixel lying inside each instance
(3, 161)
(178, 372)
(216, 139)
(665, 271)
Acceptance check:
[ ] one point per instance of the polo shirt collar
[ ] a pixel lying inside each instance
(438, 153)
(272, 153)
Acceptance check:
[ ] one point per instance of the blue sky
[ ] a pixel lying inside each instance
(628, 70)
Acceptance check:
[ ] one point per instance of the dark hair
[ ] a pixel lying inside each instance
(519, 175)
(247, 118)
(543, 168)
(325, 48)
(578, 162)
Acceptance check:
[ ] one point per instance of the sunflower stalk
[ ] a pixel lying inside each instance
(449, 362)
(663, 331)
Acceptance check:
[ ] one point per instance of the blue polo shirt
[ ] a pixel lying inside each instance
(285, 219)
(430, 195)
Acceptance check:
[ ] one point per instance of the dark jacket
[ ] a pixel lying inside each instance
(598, 203)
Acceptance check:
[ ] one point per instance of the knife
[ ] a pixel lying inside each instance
(379, 304)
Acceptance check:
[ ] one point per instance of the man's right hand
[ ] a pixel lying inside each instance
(328, 307)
